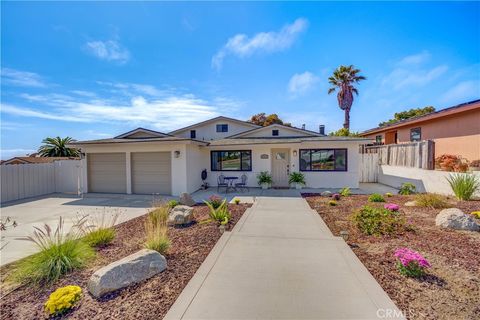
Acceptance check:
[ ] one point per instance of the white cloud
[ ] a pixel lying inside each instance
(462, 92)
(110, 50)
(166, 112)
(22, 78)
(241, 45)
(418, 58)
(300, 83)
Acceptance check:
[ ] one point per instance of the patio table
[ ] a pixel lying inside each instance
(231, 185)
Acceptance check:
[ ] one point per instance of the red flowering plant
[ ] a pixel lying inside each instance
(411, 263)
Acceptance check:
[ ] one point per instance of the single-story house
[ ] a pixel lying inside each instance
(34, 159)
(144, 161)
(455, 130)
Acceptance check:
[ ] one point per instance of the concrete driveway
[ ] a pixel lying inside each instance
(37, 211)
(282, 262)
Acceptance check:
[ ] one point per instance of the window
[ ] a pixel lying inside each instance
(378, 139)
(323, 160)
(416, 134)
(238, 160)
(274, 132)
(193, 134)
(222, 127)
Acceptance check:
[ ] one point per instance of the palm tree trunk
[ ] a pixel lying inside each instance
(346, 124)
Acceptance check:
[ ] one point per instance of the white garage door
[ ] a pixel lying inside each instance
(151, 173)
(107, 172)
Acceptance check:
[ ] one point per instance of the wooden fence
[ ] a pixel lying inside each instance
(369, 167)
(19, 181)
(415, 154)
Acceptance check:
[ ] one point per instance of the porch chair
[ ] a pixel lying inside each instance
(221, 183)
(243, 183)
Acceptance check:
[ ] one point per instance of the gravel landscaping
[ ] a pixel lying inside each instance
(451, 287)
(150, 299)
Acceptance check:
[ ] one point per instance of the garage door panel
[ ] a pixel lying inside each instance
(151, 172)
(107, 172)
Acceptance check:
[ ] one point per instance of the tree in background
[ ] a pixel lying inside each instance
(343, 80)
(414, 112)
(57, 147)
(263, 120)
(344, 133)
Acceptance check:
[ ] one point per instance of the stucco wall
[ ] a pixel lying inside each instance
(209, 132)
(282, 132)
(425, 180)
(198, 158)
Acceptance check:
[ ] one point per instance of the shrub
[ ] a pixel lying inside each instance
(476, 214)
(172, 203)
(62, 300)
(375, 197)
(392, 207)
(98, 227)
(332, 203)
(220, 214)
(388, 195)
(345, 192)
(378, 221)
(410, 263)
(464, 186)
(475, 163)
(296, 177)
(264, 177)
(156, 230)
(431, 200)
(407, 188)
(336, 196)
(236, 201)
(59, 254)
(449, 162)
(215, 200)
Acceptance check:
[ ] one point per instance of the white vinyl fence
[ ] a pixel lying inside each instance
(20, 181)
(369, 167)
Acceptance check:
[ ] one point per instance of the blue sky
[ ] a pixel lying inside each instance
(94, 70)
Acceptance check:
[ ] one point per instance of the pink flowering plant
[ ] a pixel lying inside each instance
(392, 206)
(215, 200)
(411, 263)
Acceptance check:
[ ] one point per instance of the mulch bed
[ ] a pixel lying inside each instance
(451, 288)
(150, 299)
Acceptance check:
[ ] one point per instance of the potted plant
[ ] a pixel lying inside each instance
(475, 165)
(297, 179)
(264, 179)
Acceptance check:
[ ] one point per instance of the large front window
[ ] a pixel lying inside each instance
(238, 160)
(323, 160)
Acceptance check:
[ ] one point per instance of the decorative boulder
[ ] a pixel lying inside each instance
(454, 218)
(180, 215)
(186, 199)
(132, 269)
(410, 204)
(326, 194)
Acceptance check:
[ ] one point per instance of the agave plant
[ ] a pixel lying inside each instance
(220, 214)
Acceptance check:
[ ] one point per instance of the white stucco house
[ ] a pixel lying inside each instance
(144, 161)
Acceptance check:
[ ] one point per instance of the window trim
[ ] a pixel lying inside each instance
(275, 133)
(411, 131)
(221, 125)
(216, 170)
(193, 134)
(376, 139)
(322, 149)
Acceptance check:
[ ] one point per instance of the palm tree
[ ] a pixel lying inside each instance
(57, 147)
(343, 79)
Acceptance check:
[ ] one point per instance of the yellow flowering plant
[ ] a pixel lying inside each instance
(476, 214)
(62, 300)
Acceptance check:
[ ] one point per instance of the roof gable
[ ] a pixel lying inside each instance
(248, 125)
(283, 131)
(141, 133)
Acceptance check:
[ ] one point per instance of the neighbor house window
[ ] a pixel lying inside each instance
(378, 139)
(416, 134)
(323, 160)
(274, 132)
(238, 160)
(193, 134)
(222, 127)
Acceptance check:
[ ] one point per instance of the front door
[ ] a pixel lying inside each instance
(280, 167)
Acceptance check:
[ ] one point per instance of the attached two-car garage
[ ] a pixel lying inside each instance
(150, 172)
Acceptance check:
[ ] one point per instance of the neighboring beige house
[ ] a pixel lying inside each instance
(144, 161)
(36, 159)
(455, 130)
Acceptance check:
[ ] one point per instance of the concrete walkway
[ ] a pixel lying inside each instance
(282, 262)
